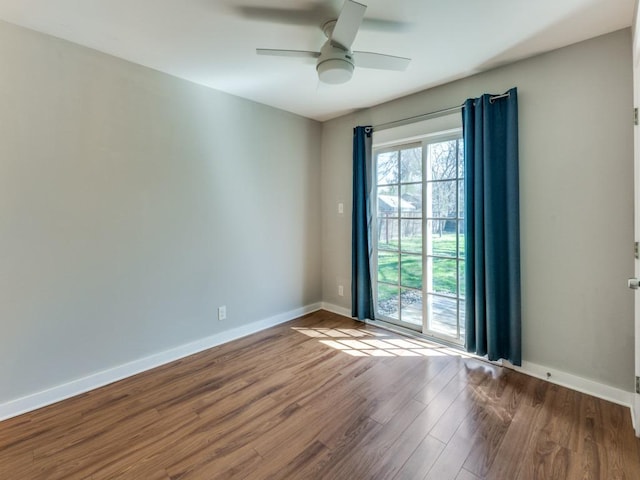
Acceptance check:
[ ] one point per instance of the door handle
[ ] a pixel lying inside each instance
(633, 283)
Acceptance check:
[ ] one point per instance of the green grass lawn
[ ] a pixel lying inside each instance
(444, 246)
(443, 270)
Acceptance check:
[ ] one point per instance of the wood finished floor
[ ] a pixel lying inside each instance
(324, 397)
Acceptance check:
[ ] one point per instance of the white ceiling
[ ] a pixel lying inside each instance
(213, 42)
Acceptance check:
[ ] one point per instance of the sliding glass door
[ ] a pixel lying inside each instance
(419, 235)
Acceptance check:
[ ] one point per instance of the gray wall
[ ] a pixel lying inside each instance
(576, 141)
(133, 204)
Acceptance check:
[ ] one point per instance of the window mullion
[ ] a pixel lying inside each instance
(425, 239)
(399, 185)
(457, 240)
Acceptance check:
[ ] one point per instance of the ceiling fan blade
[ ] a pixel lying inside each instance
(287, 53)
(349, 20)
(312, 15)
(385, 25)
(380, 61)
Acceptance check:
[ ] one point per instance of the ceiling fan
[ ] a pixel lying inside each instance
(335, 60)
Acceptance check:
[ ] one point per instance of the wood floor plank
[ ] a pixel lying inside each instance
(407, 387)
(339, 462)
(421, 459)
(431, 415)
(391, 457)
(309, 423)
(466, 475)
(506, 399)
(324, 397)
(518, 434)
(555, 436)
(109, 456)
(450, 461)
(439, 381)
(563, 418)
(473, 376)
(476, 440)
(371, 447)
(219, 465)
(15, 464)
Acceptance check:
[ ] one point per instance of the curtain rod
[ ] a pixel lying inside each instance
(426, 116)
(416, 118)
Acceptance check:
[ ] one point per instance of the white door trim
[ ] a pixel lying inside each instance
(635, 406)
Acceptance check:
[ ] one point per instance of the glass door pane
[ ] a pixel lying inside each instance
(419, 236)
(399, 239)
(445, 240)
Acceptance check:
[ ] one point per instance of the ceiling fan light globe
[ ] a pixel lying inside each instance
(335, 71)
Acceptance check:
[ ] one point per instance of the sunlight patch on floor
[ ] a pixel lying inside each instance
(366, 343)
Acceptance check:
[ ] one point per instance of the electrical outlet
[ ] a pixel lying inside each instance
(340, 208)
(341, 290)
(222, 312)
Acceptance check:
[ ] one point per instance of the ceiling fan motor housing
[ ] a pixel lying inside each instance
(335, 64)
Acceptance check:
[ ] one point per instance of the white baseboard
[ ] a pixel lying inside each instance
(575, 382)
(329, 307)
(55, 394)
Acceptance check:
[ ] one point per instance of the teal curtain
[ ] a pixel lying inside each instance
(361, 291)
(492, 227)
